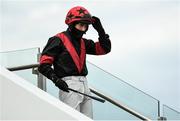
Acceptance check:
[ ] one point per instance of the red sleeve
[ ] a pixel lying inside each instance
(46, 59)
(99, 49)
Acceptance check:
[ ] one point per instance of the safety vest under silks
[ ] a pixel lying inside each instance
(78, 60)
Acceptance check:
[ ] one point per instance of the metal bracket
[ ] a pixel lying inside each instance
(162, 119)
(41, 80)
(35, 71)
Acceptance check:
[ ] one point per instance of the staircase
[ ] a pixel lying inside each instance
(20, 100)
(123, 101)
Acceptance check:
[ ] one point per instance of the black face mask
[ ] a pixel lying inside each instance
(75, 32)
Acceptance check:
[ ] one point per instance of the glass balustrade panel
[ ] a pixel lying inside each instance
(18, 57)
(27, 75)
(170, 113)
(97, 78)
(123, 92)
(108, 111)
(51, 88)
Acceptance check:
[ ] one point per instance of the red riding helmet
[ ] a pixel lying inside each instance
(78, 13)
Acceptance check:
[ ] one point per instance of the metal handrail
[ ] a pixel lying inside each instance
(120, 105)
(23, 67)
(95, 91)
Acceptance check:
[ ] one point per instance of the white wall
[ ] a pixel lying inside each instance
(23, 101)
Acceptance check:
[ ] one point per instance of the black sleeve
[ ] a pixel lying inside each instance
(105, 43)
(47, 71)
(48, 55)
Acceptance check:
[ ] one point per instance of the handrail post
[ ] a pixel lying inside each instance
(159, 109)
(160, 117)
(41, 80)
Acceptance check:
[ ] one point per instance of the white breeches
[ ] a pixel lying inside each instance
(77, 101)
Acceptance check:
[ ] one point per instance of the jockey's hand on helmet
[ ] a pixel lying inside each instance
(98, 26)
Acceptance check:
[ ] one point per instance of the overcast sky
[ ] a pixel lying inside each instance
(144, 33)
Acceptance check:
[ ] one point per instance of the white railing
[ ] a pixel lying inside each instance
(20, 100)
